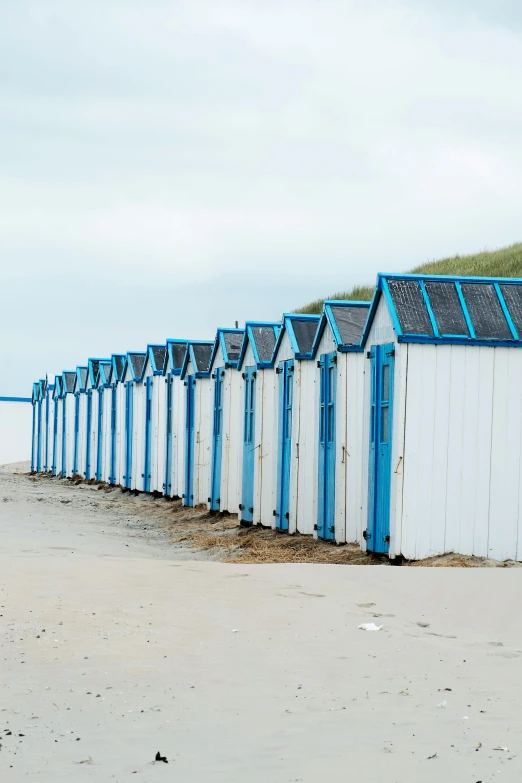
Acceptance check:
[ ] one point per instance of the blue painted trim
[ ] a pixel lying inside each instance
(76, 432)
(33, 431)
(114, 401)
(507, 314)
(46, 455)
(148, 434)
(16, 399)
(64, 437)
(39, 439)
(99, 439)
(88, 435)
(429, 308)
(167, 485)
(464, 306)
(391, 308)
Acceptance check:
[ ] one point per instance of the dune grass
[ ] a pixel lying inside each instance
(505, 262)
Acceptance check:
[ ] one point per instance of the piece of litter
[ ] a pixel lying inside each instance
(159, 757)
(433, 757)
(442, 704)
(502, 747)
(369, 627)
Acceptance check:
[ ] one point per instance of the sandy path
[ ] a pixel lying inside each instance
(139, 654)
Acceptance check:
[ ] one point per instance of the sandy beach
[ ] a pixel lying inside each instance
(116, 645)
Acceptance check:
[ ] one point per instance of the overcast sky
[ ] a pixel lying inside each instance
(170, 167)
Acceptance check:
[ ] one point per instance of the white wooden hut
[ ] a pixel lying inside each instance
(154, 418)
(49, 427)
(293, 459)
(443, 417)
(38, 400)
(259, 424)
(339, 419)
(198, 417)
(80, 421)
(91, 427)
(174, 434)
(114, 422)
(56, 447)
(35, 430)
(68, 412)
(227, 400)
(103, 417)
(134, 410)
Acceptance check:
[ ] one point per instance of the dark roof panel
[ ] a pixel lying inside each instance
(350, 322)
(202, 354)
(265, 340)
(120, 366)
(233, 341)
(513, 297)
(70, 378)
(159, 352)
(447, 308)
(137, 361)
(487, 317)
(83, 376)
(410, 307)
(177, 352)
(305, 330)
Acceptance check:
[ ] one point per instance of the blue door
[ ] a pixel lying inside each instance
(377, 534)
(167, 486)
(249, 433)
(148, 434)
(112, 472)
(88, 435)
(33, 444)
(217, 440)
(326, 500)
(55, 436)
(129, 394)
(64, 435)
(99, 449)
(39, 439)
(76, 432)
(285, 373)
(188, 495)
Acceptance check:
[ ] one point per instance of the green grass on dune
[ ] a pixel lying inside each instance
(506, 262)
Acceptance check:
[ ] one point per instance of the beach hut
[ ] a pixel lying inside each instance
(103, 417)
(259, 422)
(293, 459)
(195, 376)
(155, 418)
(113, 422)
(339, 358)
(67, 416)
(34, 431)
(92, 421)
(134, 409)
(174, 433)
(227, 398)
(49, 426)
(80, 421)
(443, 417)
(56, 449)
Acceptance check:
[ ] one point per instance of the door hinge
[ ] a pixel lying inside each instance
(243, 375)
(319, 364)
(213, 375)
(209, 500)
(368, 355)
(367, 535)
(334, 359)
(387, 539)
(279, 370)
(287, 515)
(332, 528)
(241, 507)
(315, 527)
(254, 375)
(274, 513)
(251, 510)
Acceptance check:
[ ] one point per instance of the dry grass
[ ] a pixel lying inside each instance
(231, 543)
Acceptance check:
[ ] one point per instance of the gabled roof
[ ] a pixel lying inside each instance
(346, 320)
(57, 388)
(94, 368)
(199, 353)
(119, 362)
(447, 309)
(81, 378)
(105, 372)
(157, 357)
(301, 333)
(263, 337)
(68, 381)
(176, 350)
(229, 340)
(136, 364)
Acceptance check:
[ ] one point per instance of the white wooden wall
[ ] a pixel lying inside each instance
(179, 407)
(107, 434)
(463, 452)
(57, 442)
(305, 448)
(49, 431)
(159, 400)
(120, 433)
(138, 431)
